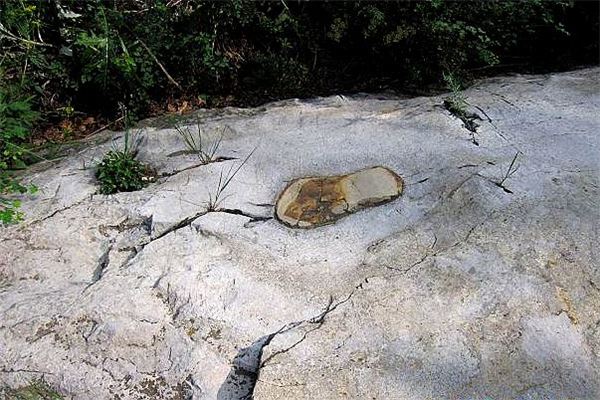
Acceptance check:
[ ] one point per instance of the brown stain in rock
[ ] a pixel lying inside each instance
(323, 200)
(316, 201)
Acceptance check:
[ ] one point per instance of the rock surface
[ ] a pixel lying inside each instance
(317, 201)
(481, 281)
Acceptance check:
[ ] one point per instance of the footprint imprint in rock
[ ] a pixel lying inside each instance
(315, 201)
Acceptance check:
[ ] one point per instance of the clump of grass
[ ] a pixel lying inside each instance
(197, 143)
(225, 178)
(120, 171)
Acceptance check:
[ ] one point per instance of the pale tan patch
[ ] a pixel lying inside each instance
(565, 299)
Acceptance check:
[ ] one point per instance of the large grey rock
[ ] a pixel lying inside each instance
(480, 281)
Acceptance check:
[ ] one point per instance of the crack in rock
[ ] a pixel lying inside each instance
(241, 381)
(189, 220)
(423, 258)
(127, 225)
(246, 365)
(173, 228)
(253, 217)
(177, 171)
(103, 262)
(468, 119)
(60, 210)
(19, 370)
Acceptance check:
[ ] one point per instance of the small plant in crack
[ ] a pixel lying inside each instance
(457, 105)
(512, 168)
(198, 144)
(215, 199)
(120, 171)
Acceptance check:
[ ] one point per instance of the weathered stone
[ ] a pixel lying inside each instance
(458, 289)
(316, 201)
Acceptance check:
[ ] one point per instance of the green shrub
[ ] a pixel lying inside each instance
(120, 171)
(16, 120)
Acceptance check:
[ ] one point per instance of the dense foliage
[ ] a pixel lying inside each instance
(91, 55)
(67, 58)
(16, 120)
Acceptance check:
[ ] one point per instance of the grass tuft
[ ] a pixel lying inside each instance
(198, 144)
(215, 200)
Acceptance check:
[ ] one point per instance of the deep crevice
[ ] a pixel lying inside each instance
(501, 186)
(236, 211)
(246, 365)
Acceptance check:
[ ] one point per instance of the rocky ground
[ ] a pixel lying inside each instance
(481, 280)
